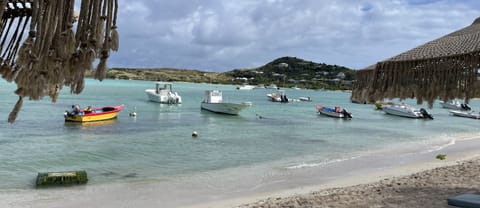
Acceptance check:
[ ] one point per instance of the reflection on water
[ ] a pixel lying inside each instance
(91, 124)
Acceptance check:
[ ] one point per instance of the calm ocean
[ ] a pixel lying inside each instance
(157, 144)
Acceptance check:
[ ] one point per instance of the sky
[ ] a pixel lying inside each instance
(222, 35)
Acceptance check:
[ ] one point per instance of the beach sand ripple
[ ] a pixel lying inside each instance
(429, 188)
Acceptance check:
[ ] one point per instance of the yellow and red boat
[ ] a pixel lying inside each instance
(92, 114)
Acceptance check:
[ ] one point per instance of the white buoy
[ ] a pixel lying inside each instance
(133, 113)
(194, 134)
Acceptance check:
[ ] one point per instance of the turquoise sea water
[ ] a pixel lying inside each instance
(157, 144)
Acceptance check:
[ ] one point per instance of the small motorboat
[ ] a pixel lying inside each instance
(92, 114)
(469, 114)
(163, 94)
(245, 87)
(334, 112)
(272, 86)
(278, 96)
(296, 88)
(213, 101)
(404, 110)
(305, 99)
(455, 105)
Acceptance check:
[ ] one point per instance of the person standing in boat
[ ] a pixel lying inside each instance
(284, 99)
(76, 109)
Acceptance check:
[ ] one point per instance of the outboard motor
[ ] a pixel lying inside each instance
(465, 107)
(69, 113)
(425, 113)
(346, 114)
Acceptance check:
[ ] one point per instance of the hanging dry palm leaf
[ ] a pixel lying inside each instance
(444, 68)
(52, 55)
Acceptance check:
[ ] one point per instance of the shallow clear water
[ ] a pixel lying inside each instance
(157, 144)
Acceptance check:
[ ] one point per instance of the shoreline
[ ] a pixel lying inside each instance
(349, 187)
(429, 188)
(213, 192)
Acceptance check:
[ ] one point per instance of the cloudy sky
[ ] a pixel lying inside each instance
(221, 35)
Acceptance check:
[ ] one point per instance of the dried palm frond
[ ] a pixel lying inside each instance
(444, 68)
(53, 55)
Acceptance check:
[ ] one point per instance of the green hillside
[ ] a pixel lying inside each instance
(291, 71)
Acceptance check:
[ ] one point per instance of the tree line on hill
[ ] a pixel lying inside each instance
(292, 71)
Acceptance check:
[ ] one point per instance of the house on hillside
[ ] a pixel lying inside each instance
(322, 73)
(283, 65)
(241, 79)
(277, 74)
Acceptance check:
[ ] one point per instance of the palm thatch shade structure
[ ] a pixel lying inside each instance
(445, 68)
(44, 45)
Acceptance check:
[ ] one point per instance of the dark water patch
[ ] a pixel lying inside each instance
(131, 175)
(314, 141)
(108, 174)
(276, 121)
(7, 141)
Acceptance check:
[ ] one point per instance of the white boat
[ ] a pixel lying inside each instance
(246, 87)
(296, 88)
(272, 86)
(406, 111)
(306, 99)
(213, 101)
(469, 114)
(278, 96)
(163, 94)
(334, 112)
(455, 105)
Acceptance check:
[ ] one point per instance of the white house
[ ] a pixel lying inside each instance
(283, 65)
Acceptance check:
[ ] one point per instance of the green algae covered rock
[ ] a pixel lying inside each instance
(61, 178)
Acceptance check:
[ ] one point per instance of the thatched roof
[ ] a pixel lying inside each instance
(444, 68)
(45, 46)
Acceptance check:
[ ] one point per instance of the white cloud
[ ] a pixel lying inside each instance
(223, 35)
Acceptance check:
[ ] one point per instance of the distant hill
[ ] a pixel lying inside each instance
(292, 71)
(284, 72)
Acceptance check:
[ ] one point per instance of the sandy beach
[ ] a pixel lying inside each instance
(418, 180)
(428, 188)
